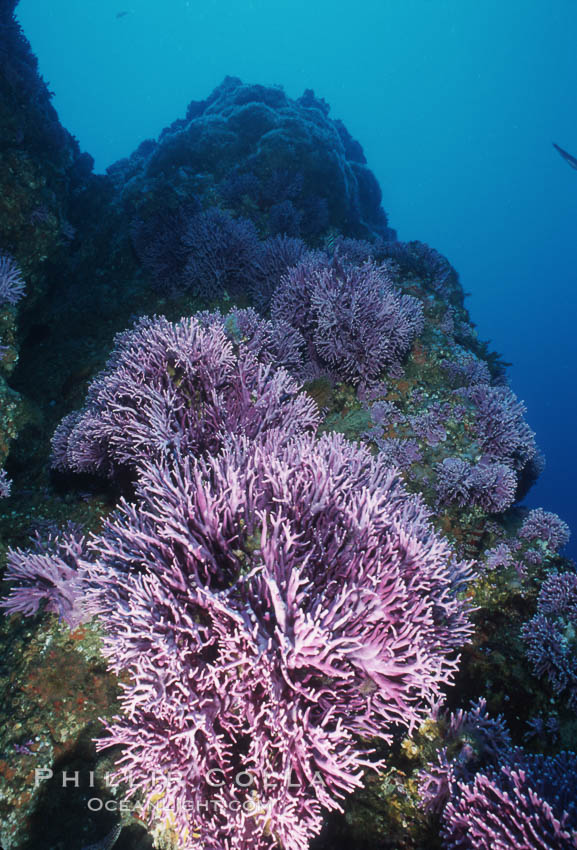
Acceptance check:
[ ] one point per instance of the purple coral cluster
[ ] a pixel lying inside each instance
(465, 368)
(269, 604)
(271, 594)
(540, 538)
(494, 796)
(47, 577)
(11, 281)
(473, 437)
(176, 388)
(355, 323)
(415, 259)
(493, 423)
(504, 450)
(222, 254)
(210, 254)
(275, 343)
(471, 739)
(422, 261)
(158, 242)
(278, 254)
(5, 485)
(550, 636)
(528, 804)
(500, 428)
(547, 527)
(490, 486)
(205, 253)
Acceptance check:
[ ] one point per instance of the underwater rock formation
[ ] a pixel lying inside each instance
(283, 163)
(41, 166)
(12, 289)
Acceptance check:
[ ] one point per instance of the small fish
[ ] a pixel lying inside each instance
(108, 841)
(566, 156)
(121, 15)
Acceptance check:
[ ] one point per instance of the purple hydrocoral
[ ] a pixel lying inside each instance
(278, 254)
(500, 428)
(494, 796)
(543, 728)
(465, 368)
(237, 187)
(396, 452)
(354, 321)
(277, 343)
(209, 253)
(529, 804)
(540, 525)
(177, 387)
(429, 425)
(285, 218)
(490, 486)
(11, 281)
(356, 251)
(550, 635)
(474, 739)
(5, 485)
(499, 556)
(418, 259)
(158, 242)
(558, 596)
(269, 604)
(223, 254)
(47, 576)
(205, 253)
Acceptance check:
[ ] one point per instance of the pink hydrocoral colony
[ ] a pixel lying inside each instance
(490, 486)
(550, 635)
(270, 604)
(276, 343)
(355, 322)
(5, 485)
(491, 795)
(527, 804)
(177, 387)
(540, 525)
(500, 428)
(11, 282)
(478, 740)
(47, 576)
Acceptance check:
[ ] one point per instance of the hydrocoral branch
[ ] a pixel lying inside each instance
(48, 577)
(353, 320)
(271, 603)
(179, 388)
(527, 804)
(5, 485)
(11, 281)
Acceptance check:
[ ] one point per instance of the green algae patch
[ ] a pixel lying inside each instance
(351, 424)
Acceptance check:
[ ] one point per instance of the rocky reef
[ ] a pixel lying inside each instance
(269, 581)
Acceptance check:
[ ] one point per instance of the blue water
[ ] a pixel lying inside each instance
(456, 104)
